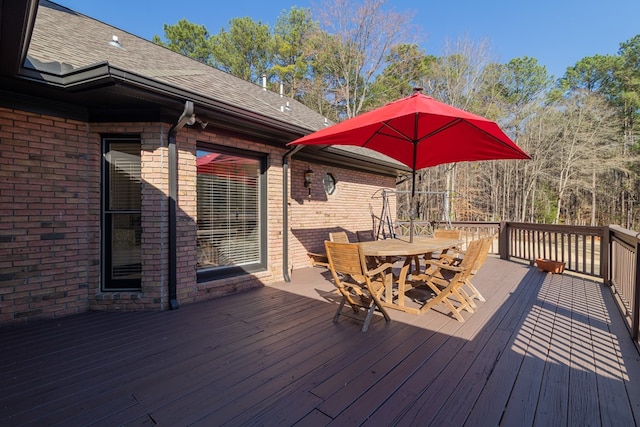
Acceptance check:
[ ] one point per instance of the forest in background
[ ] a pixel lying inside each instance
(348, 57)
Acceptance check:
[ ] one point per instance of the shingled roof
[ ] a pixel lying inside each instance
(70, 41)
(72, 58)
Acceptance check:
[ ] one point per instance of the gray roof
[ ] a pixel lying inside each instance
(74, 41)
(75, 52)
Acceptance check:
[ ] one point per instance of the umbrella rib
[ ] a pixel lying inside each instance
(440, 129)
(401, 134)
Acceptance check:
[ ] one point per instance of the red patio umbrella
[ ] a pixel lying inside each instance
(419, 132)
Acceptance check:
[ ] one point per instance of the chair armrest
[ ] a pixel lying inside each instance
(379, 269)
(443, 266)
(456, 253)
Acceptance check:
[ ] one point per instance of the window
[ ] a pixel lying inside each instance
(231, 228)
(122, 229)
(329, 183)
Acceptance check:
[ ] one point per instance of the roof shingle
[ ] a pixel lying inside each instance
(65, 36)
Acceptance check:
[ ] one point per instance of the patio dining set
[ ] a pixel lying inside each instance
(432, 271)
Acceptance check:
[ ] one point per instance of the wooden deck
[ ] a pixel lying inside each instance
(542, 350)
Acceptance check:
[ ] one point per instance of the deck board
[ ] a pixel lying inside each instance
(542, 349)
(481, 356)
(489, 405)
(552, 402)
(446, 382)
(583, 396)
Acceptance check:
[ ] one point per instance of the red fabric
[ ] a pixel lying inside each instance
(443, 134)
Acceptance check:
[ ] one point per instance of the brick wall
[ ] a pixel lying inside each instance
(355, 205)
(190, 291)
(50, 216)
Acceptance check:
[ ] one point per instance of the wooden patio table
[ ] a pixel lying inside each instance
(410, 251)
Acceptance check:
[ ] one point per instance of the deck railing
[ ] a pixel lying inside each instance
(623, 275)
(610, 253)
(580, 248)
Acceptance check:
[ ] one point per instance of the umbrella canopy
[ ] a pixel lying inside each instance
(419, 132)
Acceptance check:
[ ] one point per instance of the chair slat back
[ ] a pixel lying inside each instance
(344, 258)
(482, 253)
(339, 236)
(365, 236)
(448, 234)
(471, 255)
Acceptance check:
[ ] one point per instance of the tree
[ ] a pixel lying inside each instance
(290, 53)
(593, 74)
(244, 50)
(407, 68)
(356, 39)
(457, 78)
(189, 39)
(586, 146)
(628, 77)
(522, 85)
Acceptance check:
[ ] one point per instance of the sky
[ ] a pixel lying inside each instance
(558, 33)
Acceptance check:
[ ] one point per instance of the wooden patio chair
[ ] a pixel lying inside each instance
(339, 236)
(365, 236)
(320, 259)
(448, 234)
(445, 254)
(472, 291)
(347, 260)
(469, 288)
(447, 280)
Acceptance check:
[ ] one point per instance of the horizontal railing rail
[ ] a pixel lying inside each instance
(473, 230)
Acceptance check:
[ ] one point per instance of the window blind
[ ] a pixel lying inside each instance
(228, 226)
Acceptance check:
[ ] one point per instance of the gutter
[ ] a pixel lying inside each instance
(17, 19)
(187, 117)
(103, 74)
(285, 210)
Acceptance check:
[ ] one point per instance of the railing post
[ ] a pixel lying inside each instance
(605, 256)
(503, 240)
(635, 315)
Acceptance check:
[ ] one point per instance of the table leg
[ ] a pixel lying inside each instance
(388, 291)
(402, 281)
(402, 285)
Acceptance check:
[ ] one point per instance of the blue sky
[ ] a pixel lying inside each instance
(558, 33)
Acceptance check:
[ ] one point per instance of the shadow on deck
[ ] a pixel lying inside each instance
(543, 349)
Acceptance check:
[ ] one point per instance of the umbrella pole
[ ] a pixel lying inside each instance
(412, 209)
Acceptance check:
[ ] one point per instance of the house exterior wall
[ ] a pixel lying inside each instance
(50, 215)
(355, 205)
(189, 290)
